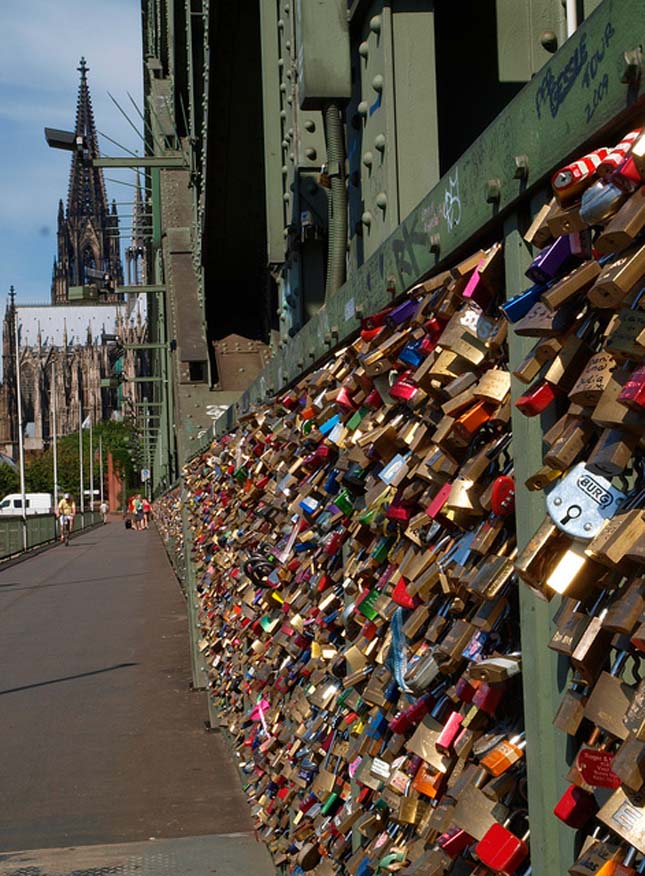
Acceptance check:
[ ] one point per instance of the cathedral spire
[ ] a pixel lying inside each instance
(88, 237)
(86, 196)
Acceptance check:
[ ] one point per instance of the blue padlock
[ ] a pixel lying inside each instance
(518, 306)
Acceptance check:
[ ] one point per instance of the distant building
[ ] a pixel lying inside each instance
(66, 352)
(88, 232)
(73, 350)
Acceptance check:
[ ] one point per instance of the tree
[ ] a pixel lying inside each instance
(9, 479)
(117, 438)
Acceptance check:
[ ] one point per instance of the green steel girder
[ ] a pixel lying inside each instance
(140, 290)
(149, 346)
(146, 379)
(568, 104)
(160, 161)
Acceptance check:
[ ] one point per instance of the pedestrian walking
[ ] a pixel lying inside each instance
(138, 512)
(147, 510)
(103, 508)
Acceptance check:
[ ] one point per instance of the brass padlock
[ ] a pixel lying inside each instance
(617, 279)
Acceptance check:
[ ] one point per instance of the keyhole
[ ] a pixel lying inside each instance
(573, 512)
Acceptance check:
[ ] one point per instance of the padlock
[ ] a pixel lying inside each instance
(624, 227)
(633, 392)
(575, 283)
(502, 850)
(612, 453)
(580, 503)
(570, 712)
(625, 819)
(571, 180)
(609, 700)
(551, 261)
(629, 763)
(576, 807)
(617, 279)
(601, 201)
(504, 755)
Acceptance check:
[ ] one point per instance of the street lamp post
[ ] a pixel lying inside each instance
(21, 439)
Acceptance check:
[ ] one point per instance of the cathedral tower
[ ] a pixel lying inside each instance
(88, 231)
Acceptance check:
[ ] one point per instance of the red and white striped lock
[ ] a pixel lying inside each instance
(618, 154)
(570, 180)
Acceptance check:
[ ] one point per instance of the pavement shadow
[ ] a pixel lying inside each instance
(63, 678)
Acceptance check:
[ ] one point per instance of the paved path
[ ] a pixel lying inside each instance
(101, 740)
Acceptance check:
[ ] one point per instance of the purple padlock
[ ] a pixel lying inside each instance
(403, 311)
(553, 259)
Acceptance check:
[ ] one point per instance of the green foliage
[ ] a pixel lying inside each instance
(117, 438)
(9, 480)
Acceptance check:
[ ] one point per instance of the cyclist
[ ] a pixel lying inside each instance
(66, 514)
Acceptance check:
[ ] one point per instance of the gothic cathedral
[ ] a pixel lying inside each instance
(70, 351)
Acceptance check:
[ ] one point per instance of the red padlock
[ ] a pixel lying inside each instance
(537, 400)
(576, 807)
(446, 739)
(502, 499)
(501, 850)
(633, 392)
(454, 841)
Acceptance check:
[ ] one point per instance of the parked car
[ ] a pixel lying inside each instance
(35, 503)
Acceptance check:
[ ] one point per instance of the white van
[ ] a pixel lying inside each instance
(36, 503)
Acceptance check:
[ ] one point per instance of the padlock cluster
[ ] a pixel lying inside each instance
(354, 544)
(168, 521)
(586, 374)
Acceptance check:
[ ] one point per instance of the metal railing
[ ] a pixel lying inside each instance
(41, 529)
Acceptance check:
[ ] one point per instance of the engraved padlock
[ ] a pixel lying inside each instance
(581, 502)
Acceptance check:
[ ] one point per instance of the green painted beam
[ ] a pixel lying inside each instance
(146, 379)
(165, 163)
(555, 116)
(148, 346)
(139, 290)
(552, 842)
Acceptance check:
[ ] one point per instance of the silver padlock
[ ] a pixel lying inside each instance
(581, 502)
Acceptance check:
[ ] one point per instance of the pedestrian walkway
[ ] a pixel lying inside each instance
(102, 742)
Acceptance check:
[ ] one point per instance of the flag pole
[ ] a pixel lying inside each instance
(101, 465)
(80, 452)
(21, 445)
(55, 436)
(91, 467)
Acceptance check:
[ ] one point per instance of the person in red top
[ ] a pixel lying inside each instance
(147, 509)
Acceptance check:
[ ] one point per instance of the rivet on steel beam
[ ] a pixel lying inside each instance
(359, 311)
(311, 153)
(300, 363)
(334, 332)
(375, 24)
(363, 108)
(435, 243)
(368, 159)
(327, 338)
(364, 49)
(493, 191)
(521, 167)
(366, 218)
(549, 41)
(379, 142)
(632, 66)
(310, 126)
(377, 83)
(311, 355)
(381, 200)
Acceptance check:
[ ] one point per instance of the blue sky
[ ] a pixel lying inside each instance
(41, 43)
